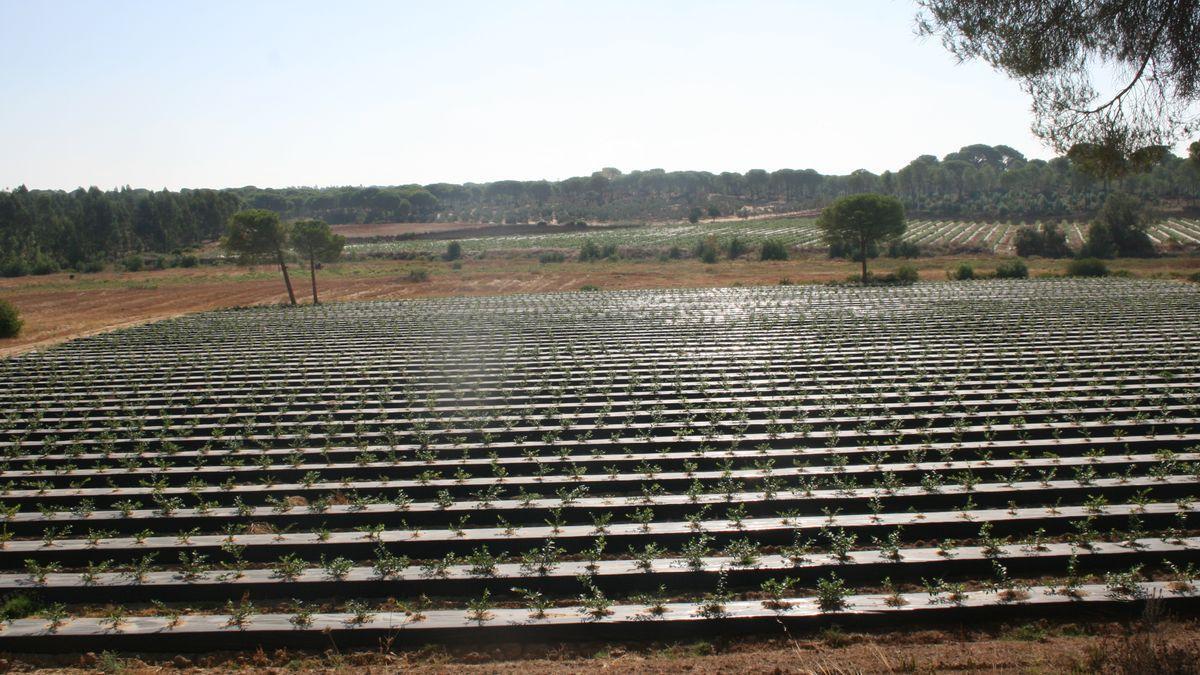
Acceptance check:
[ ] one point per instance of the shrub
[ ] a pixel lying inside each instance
(1013, 269)
(17, 606)
(552, 257)
(10, 320)
(132, 263)
(706, 250)
(589, 287)
(903, 249)
(418, 275)
(14, 267)
(1194, 278)
(1048, 242)
(907, 274)
(964, 273)
(1087, 267)
(453, 251)
(694, 215)
(773, 249)
(43, 264)
(92, 266)
(186, 260)
(737, 248)
(590, 251)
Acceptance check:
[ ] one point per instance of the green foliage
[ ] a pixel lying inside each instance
(1087, 267)
(315, 242)
(552, 257)
(18, 606)
(453, 251)
(707, 250)
(418, 276)
(862, 221)
(255, 235)
(694, 215)
(1047, 241)
(591, 251)
(831, 593)
(1120, 230)
(907, 274)
(773, 249)
(964, 272)
(900, 248)
(1012, 269)
(737, 248)
(133, 263)
(10, 320)
(1055, 49)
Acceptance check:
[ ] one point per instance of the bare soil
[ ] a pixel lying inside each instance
(1035, 647)
(363, 230)
(60, 307)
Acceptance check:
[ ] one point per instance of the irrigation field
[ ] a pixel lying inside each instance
(798, 233)
(581, 464)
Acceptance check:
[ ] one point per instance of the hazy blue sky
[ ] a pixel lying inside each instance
(217, 94)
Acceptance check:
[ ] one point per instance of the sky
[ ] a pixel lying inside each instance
(171, 94)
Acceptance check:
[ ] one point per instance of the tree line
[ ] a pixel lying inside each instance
(42, 230)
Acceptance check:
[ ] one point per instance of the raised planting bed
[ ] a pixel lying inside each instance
(441, 469)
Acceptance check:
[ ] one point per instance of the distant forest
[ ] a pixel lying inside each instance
(43, 230)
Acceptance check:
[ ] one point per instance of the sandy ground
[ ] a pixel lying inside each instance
(58, 307)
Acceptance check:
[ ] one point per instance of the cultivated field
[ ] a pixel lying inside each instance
(798, 233)
(579, 465)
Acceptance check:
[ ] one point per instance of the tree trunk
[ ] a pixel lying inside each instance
(312, 270)
(863, 253)
(286, 279)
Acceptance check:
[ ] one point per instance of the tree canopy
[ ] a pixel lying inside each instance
(1055, 48)
(315, 242)
(863, 221)
(257, 235)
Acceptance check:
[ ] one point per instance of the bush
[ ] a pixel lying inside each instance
(964, 273)
(1013, 269)
(10, 320)
(1194, 278)
(907, 274)
(590, 251)
(418, 275)
(903, 249)
(694, 215)
(14, 267)
(453, 251)
(132, 263)
(552, 257)
(43, 264)
(92, 266)
(852, 251)
(737, 248)
(773, 249)
(1048, 242)
(17, 606)
(707, 251)
(1087, 267)
(589, 288)
(186, 260)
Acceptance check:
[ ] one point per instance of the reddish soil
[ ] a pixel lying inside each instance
(1036, 647)
(57, 308)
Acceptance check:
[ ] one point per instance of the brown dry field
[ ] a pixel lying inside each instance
(355, 230)
(57, 307)
(1097, 646)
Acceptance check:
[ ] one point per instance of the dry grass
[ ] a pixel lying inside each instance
(59, 307)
